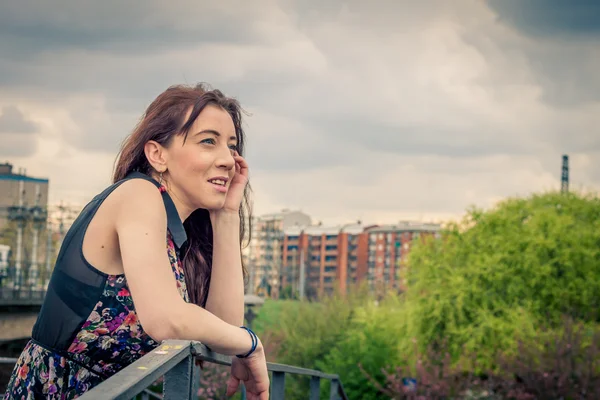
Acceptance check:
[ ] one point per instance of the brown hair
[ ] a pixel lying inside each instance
(164, 119)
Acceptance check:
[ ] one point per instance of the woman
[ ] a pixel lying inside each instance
(116, 292)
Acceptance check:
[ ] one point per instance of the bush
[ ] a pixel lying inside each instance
(371, 342)
(499, 273)
(564, 364)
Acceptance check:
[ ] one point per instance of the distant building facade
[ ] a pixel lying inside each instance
(388, 248)
(329, 256)
(263, 255)
(337, 257)
(13, 185)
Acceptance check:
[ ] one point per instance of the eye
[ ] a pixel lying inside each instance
(208, 141)
(233, 147)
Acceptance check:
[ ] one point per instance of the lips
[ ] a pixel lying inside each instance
(219, 183)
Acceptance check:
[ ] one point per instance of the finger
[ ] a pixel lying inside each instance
(243, 165)
(232, 385)
(241, 160)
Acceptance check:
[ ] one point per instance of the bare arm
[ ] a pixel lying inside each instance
(226, 293)
(141, 227)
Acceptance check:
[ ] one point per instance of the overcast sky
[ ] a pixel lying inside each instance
(380, 111)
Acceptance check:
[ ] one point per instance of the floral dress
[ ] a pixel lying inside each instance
(109, 339)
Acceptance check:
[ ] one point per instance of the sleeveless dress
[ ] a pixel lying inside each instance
(88, 329)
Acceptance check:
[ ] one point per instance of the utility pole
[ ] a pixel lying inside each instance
(564, 182)
(302, 274)
(39, 217)
(19, 215)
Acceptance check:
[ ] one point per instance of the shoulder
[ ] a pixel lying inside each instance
(139, 197)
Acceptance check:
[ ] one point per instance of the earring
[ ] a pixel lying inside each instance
(160, 179)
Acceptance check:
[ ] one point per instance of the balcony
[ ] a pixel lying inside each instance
(174, 360)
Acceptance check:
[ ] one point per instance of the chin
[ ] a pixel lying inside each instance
(212, 206)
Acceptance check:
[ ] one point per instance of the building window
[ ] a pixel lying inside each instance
(331, 247)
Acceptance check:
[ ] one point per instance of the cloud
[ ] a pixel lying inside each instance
(12, 120)
(16, 133)
(555, 18)
(559, 41)
(357, 111)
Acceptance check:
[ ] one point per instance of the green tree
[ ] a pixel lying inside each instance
(306, 332)
(491, 279)
(370, 345)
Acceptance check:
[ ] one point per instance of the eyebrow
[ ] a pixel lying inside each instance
(213, 132)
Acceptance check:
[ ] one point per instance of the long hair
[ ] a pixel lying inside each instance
(164, 119)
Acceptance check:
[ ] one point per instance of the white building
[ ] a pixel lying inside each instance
(263, 255)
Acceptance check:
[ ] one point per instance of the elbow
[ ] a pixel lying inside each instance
(160, 332)
(161, 326)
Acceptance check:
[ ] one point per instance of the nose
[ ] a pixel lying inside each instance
(225, 159)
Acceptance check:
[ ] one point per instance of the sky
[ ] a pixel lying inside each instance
(380, 111)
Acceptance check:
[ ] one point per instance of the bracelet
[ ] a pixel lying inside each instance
(254, 342)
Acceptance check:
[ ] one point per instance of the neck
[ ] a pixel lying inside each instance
(183, 209)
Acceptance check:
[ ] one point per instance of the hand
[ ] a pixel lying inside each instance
(253, 372)
(235, 194)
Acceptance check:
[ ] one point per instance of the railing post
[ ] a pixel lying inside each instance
(278, 385)
(178, 383)
(195, 379)
(315, 388)
(334, 389)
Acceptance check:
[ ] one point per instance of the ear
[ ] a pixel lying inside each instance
(156, 155)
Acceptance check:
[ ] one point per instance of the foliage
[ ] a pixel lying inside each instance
(566, 365)
(306, 332)
(470, 320)
(370, 341)
(270, 314)
(499, 273)
(288, 293)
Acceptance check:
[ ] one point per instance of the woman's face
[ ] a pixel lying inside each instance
(201, 168)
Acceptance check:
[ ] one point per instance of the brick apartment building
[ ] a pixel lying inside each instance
(388, 248)
(339, 256)
(330, 255)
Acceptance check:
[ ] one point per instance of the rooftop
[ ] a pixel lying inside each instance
(7, 174)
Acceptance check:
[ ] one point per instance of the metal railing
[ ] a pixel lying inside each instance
(22, 296)
(146, 393)
(175, 361)
(22, 287)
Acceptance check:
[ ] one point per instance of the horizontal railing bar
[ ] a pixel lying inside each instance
(133, 379)
(150, 393)
(288, 369)
(8, 360)
(201, 352)
(204, 353)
